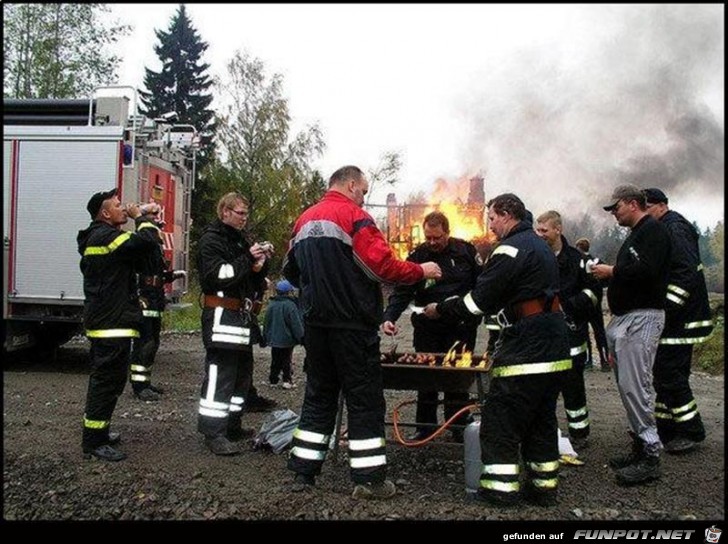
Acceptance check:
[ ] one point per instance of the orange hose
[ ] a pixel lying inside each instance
(415, 443)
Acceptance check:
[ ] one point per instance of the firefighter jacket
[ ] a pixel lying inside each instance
(639, 278)
(522, 268)
(108, 262)
(579, 293)
(687, 311)
(460, 269)
(153, 274)
(338, 258)
(225, 269)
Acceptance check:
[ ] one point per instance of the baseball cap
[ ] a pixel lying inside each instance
(624, 192)
(97, 200)
(655, 196)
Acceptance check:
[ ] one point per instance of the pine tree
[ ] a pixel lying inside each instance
(181, 87)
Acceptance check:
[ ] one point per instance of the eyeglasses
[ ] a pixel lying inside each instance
(241, 213)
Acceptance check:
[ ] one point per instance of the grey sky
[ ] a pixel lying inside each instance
(557, 103)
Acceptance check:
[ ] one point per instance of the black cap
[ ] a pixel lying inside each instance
(655, 196)
(96, 201)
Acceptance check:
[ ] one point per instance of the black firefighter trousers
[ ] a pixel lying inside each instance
(520, 413)
(676, 412)
(143, 353)
(347, 360)
(574, 393)
(228, 375)
(109, 366)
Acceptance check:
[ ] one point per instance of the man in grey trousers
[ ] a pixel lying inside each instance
(636, 296)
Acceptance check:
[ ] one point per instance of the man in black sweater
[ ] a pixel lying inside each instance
(636, 296)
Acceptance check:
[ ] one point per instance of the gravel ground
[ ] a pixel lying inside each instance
(169, 474)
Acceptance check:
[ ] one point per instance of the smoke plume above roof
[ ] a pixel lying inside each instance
(639, 103)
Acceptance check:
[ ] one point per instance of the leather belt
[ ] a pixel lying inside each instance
(212, 301)
(535, 306)
(151, 281)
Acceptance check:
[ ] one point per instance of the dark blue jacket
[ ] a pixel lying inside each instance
(283, 326)
(687, 310)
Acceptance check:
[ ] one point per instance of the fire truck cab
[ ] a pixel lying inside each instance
(56, 154)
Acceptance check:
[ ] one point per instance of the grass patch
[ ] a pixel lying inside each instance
(710, 355)
(186, 319)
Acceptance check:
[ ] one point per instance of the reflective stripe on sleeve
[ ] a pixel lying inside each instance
(470, 304)
(105, 250)
(591, 295)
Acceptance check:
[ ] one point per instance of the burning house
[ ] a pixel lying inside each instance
(462, 201)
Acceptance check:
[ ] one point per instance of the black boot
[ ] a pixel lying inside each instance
(540, 497)
(647, 468)
(625, 460)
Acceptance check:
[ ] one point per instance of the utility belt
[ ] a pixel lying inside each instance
(527, 308)
(234, 304)
(151, 281)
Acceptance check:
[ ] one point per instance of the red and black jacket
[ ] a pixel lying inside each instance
(338, 258)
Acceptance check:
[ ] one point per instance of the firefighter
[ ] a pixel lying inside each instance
(112, 315)
(230, 270)
(153, 274)
(687, 322)
(579, 294)
(460, 265)
(636, 296)
(520, 281)
(596, 321)
(338, 258)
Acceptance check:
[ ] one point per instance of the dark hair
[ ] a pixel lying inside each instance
(583, 244)
(346, 173)
(508, 202)
(437, 219)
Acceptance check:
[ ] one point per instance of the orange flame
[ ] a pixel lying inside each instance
(467, 221)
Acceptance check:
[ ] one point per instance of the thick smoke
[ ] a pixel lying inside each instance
(563, 127)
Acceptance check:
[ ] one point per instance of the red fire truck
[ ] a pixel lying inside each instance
(56, 154)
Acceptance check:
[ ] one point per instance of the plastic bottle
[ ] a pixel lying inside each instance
(473, 463)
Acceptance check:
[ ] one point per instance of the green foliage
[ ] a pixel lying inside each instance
(715, 273)
(262, 160)
(184, 319)
(710, 355)
(58, 50)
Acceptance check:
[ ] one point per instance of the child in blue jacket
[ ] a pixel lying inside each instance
(283, 329)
